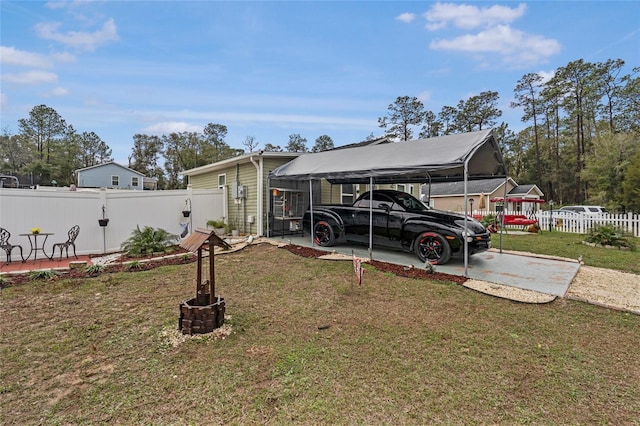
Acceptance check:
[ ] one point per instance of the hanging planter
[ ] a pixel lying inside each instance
(104, 221)
(187, 208)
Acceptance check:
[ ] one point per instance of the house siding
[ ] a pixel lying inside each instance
(245, 174)
(100, 177)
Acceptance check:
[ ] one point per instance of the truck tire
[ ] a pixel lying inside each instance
(433, 248)
(323, 234)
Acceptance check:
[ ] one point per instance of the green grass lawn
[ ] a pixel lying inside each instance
(570, 246)
(308, 346)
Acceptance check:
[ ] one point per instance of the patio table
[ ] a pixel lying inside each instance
(33, 241)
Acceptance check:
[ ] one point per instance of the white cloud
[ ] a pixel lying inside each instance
(167, 127)
(78, 39)
(58, 91)
(424, 97)
(467, 17)
(546, 75)
(13, 56)
(63, 57)
(515, 47)
(31, 77)
(406, 17)
(53, 5)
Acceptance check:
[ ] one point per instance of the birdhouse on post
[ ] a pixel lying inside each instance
(205, 311)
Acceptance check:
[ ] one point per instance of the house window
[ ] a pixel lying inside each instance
(347, 194)
(222, 180)
(115, 180)
(134, 181)
(405, 188)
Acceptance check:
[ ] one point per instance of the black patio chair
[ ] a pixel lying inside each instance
(71, 242)
(7, 246)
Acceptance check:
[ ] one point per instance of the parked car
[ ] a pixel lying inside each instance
(568, 214)
(399, 221)
(586, 210)
(560, 217)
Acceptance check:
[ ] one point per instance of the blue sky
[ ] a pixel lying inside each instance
(270, 69)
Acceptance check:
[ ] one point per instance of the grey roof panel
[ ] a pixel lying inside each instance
(486, 186)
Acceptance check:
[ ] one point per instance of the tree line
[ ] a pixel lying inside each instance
(580, 143)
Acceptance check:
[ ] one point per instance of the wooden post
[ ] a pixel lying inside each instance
(211, 273)
(199, 276)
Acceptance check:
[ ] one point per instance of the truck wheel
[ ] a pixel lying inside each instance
(433, 248)
(323, 234)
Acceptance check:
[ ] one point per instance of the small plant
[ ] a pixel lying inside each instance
(489, 219)
(148, 240)
(610, 235)
(185, 257)
(216, 223)
(134, 265)
(44, 274)
(232, 226)
(430, 268)
(94, 269)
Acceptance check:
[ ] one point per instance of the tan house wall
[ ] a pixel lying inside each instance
(247, 175)
(455, 203)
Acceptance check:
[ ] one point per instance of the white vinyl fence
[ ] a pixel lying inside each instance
(56, 210)
(580, 224)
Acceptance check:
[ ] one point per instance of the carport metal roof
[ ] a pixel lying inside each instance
(440, 159)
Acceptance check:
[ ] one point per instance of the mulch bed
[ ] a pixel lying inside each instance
(121, 266)
(399, 270)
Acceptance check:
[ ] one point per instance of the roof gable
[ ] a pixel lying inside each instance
(110, 164)
(531, 189)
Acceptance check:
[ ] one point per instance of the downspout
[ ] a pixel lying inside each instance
(260, 182)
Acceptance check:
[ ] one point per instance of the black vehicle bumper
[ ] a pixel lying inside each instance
(476, 243)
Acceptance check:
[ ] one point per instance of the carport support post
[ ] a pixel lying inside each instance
(464, 236)
(370, 217)
(504, 207)
(311, 209)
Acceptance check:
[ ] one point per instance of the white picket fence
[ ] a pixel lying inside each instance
(56, 210)
(580, 224)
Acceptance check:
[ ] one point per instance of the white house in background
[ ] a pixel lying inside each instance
(113, 175)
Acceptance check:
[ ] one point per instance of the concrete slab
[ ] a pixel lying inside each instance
(540, 274)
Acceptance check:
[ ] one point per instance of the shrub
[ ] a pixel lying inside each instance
(216, 223)
(148, 241)
(610, 235)
(44, 274)
(134, 265)
(94, 269)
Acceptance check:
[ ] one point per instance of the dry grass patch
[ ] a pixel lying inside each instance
(304, 345)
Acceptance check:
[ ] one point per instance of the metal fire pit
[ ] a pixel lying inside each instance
(205, 312)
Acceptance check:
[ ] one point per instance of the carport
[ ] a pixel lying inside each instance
(459, 157)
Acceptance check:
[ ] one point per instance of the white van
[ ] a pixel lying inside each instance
(586, 210)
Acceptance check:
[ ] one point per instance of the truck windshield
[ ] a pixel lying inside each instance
(410, 203)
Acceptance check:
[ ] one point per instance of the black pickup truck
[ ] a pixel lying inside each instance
(399, 221)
